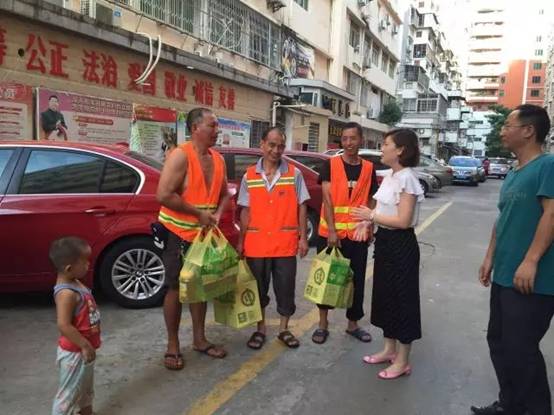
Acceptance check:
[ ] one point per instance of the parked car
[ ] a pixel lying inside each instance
(466, 170)
(103, 194)
(442, 173)
(499, 167)
(481, 170)
(239, 159)
(309, 159)
(428, 182)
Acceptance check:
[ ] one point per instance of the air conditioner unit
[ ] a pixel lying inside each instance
(59, 3)
(103, 11)
(275, 5)
(363, 3)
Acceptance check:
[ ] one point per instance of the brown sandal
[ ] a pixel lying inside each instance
(256, 341)
(213, 351)
(174, 361)
(288, 339)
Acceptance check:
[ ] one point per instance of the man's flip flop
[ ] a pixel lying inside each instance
(212, 347)
(360, 334)
(256, 341)
(320, 336)
(174, 361)
(288, 339)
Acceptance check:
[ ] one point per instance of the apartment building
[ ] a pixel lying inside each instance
(429, 81)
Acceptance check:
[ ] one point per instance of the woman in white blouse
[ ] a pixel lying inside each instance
(395, 299)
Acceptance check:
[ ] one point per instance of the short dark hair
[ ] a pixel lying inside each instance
(196, 115)
(535, 116)
(66, 251)
(270, 129)
(53, 96)
(355, 125)
(407, 139)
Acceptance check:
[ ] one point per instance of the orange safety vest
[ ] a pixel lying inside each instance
(342, 201)
(195, 193)
(273, 227)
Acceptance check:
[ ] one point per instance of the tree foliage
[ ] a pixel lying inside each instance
(494, 143)
(391, 114)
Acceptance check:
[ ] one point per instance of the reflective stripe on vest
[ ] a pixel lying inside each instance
(342, 201)
(183, 225)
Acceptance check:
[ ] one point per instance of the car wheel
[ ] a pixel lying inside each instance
(475, 183)
(424, 186)
(313, 224)
(132, 273)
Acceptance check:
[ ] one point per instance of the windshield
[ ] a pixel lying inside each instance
(459, 162)
(499, 161)
(145, 159)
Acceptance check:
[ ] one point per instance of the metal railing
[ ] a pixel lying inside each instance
(228, 24)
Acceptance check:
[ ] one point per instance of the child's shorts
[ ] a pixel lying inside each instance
(76, 387)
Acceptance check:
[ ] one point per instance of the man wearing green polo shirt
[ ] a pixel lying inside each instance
(521, 253)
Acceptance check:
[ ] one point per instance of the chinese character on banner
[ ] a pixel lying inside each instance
(148, 87)
(231, 99)
(38, 56)
(198, 89)
(90, 62)
(2, 45)
(169, 84)
(175, 86)
(109, 66)
(209, 97)
(222, 97)
(57, 58)
(38, 53)
(182, 88)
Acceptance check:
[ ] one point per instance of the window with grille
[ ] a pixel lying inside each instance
(364, 97)
(536, 80)
(538, 52)
(258, 128)
(427, 105)
(418, 33)
(384, 63)
(302, 3)
(313, 137)
(353, 83)
(420, 51)
(392, 68)
(375, 53)
(409, 104)
(537, 66)
(354, 38)
(367, 52)
(535, 93)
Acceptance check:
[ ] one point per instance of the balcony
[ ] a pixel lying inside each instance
(487, 30)
(485, 57)
(477, 85)
(488, 71)
(482, 98)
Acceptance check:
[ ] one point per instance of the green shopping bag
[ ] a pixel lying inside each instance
(210, 267)
(330, 280)
(241, 307)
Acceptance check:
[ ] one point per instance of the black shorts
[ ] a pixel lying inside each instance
(172, 258)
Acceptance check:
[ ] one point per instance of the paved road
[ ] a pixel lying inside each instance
(451, 368)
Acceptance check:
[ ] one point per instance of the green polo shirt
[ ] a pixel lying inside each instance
(520, 211)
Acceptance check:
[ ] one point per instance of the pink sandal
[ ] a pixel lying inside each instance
(374, 360)
(389, 374)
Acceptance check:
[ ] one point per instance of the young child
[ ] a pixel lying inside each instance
(79, 324)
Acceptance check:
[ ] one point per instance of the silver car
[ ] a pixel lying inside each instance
(466, 170)
(499, 167)
(442, 173)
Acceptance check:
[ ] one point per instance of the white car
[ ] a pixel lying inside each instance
(429, 183)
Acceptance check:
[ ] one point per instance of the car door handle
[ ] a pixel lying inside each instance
(100, 211)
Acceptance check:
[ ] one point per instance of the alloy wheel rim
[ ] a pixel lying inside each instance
(138, 274)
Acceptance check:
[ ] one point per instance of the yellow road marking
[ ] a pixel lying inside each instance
(227, 388)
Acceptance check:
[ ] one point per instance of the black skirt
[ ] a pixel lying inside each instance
(395, 304)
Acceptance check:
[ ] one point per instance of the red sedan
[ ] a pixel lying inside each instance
(103, 194)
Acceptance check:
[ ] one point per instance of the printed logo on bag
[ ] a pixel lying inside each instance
(319, 276)
(248, 297)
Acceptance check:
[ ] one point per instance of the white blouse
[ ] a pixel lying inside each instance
(388, 195)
